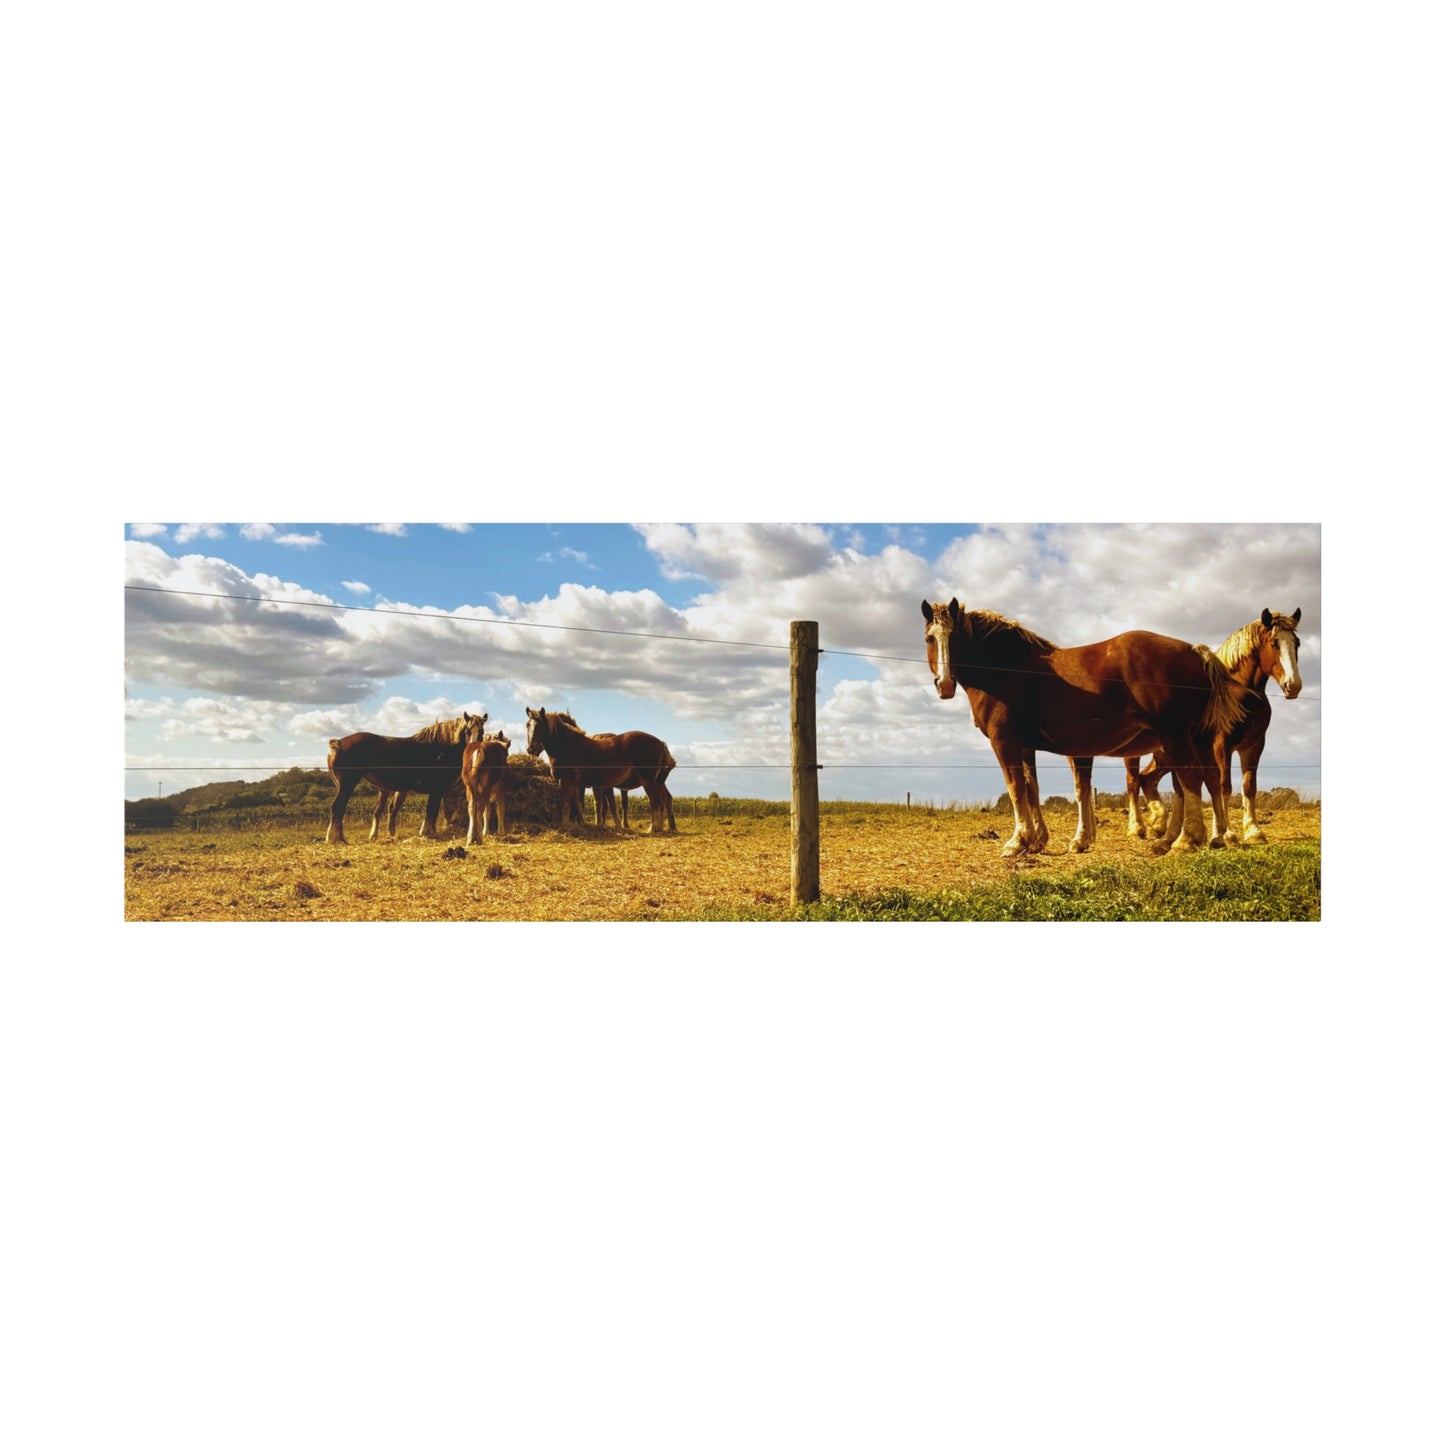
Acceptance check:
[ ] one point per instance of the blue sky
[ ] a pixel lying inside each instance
(384, 627)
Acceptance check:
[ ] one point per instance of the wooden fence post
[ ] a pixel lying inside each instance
(803, 686)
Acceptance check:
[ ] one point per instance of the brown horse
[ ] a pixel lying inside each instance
(485, 775)
(1264, 648)
(580, 760)
(429, 762)
(574, 782)
(1131, 694)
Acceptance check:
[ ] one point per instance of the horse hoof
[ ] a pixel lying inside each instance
(1077, 847)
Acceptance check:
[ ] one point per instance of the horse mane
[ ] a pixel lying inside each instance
(1246, 640)
(983, 624)
(1225, 709)
(567, 721)
(450, 731)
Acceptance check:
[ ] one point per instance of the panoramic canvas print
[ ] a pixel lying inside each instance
(811, 721)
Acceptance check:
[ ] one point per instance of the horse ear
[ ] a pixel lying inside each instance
(927, 611)
(1296, 614)
(1264, 617)
(953, 609)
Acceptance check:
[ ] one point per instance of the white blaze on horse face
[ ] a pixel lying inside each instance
(937, 634)
(1287, 645)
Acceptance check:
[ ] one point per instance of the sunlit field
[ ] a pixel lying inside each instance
(729, 860)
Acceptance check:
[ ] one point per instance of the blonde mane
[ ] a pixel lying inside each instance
(1225, 709)
(450, 731)
(1247, 640)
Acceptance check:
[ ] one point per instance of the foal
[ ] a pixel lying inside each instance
(485, 777)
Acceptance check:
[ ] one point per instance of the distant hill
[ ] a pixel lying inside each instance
(295, 785)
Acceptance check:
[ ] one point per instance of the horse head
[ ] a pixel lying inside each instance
(1279, 654)
(940, 621)
(537, 732)
(472, 729)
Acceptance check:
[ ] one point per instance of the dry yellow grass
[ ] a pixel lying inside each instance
(587, 875)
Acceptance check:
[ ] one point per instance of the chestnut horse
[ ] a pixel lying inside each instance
(485, 777)
(1264, 648)
(606, 760)
(574, 783)
(1131, 694)
(429, 762)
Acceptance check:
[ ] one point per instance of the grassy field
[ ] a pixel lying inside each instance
(729, 861)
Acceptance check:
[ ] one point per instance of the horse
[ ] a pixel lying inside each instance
(574, 783)
(1265, 647)
(485, 776)
(429, 762)
(580, 760)
(1127, 695)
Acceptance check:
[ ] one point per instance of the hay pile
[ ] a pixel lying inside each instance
(533, 795)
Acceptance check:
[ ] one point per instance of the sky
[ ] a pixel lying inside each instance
(678, 629)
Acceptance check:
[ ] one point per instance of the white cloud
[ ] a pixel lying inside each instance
(258, 531)
(455, 526)
(580, 558)
(222, 720)
(188, 531)
(300, 539)
(357, 587)
(725, 552)
(390, 529)
(147, 529)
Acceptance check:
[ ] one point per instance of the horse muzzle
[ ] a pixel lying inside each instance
(945, 686)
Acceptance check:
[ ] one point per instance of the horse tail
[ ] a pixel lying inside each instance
(332, 744)
(1225, 709)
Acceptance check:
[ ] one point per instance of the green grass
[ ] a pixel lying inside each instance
(1245, 885)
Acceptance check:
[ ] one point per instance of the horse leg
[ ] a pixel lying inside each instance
(1220, 782)
(1015, 776)
(1031, 777)
(1134, 828)
(429, 823)
(1248, 762)
(1189, 775)
(671, 820)
(477, 790)
(612, 809)
(345, 786)
(655, 793)
(472, 814)
(1156, 824)
(1084, 835)
(383, 799)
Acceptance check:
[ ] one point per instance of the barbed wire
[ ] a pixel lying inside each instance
(913, 660)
